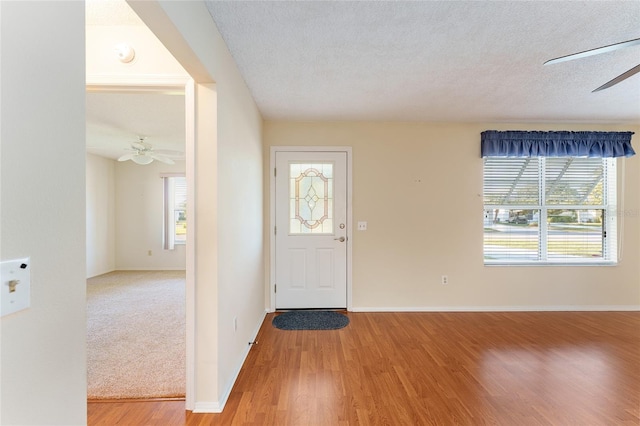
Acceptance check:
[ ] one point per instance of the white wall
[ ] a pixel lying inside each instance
(42, 196)
(419, 187)
(229, 177)
(101, 226)
(139, 218)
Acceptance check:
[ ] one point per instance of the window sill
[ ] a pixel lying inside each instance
(516, 263)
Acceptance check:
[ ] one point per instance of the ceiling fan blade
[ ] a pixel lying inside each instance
(619, 78)
(169, 152)
(161, 159)
(127, 157)
(595, 51)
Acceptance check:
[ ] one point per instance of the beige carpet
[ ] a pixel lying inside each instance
(136, 335)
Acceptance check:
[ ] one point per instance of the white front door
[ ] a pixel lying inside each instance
(311, 230)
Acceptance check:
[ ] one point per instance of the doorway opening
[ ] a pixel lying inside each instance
(150, 76)
(125, 222)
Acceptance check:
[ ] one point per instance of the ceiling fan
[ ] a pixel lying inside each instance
(597, 51)
(142, 152)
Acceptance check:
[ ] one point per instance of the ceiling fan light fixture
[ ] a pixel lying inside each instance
(141, 159)
(142, 153)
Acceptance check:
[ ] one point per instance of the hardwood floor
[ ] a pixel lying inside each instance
(544, 368)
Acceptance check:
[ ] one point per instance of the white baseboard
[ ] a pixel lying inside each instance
(100, 273)
(207, 407)
(152, 268)
(560, 308)
(141, 269)
(217, 407)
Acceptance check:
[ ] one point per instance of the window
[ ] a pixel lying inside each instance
(175, 211)
(550, 197)
(310, 198)
(549, 210)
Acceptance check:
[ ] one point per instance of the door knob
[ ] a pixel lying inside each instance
(341, 239)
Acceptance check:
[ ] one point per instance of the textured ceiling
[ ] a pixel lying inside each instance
(433, 61)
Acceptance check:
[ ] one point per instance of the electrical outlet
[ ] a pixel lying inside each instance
(444, 280)
(362, 226)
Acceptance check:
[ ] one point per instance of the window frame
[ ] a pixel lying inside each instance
(609, 218)
(169, 233)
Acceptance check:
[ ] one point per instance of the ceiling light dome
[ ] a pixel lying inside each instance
(141, 159)
(125, 52)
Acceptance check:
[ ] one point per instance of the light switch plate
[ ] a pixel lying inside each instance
(15, 285)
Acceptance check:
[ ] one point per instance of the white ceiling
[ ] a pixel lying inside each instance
(433, 60)
(115, 120)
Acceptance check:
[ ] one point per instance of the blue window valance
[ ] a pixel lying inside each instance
(513, 143)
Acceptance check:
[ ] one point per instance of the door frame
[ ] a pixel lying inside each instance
(272, 214)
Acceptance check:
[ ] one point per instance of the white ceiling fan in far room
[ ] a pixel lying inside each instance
(142, 153)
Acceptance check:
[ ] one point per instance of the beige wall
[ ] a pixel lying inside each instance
(419, 187)
(139, 218)
(125, 217)
(101, 224)
(42, 194)
(229, 257)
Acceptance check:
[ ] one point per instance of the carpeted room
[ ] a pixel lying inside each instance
(136, 289)
(136, 335)
(136, 252)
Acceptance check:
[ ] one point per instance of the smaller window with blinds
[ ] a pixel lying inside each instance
(175, 211)
(549, 210)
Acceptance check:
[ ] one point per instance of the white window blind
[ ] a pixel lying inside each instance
(549, 210)
(511, 181)
(175, 211)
